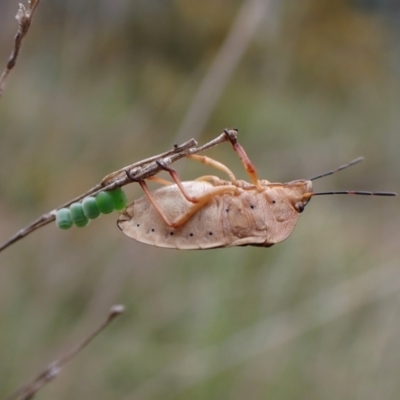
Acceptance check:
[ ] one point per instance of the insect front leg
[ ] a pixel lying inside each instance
(248, 165)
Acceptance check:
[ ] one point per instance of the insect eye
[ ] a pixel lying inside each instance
(299, 207)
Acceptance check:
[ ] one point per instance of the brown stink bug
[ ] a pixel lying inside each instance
(210, 212)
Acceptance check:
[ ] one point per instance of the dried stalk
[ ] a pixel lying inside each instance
(28, 390)
(24, 17)
(138, 171)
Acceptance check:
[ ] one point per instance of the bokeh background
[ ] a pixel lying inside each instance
(100, 84)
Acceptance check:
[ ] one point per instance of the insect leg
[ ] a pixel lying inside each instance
(215, 164)
(160, 180)
(248, 165)
(202, 201)
(147, 192)
(177, 180)
(214, 179)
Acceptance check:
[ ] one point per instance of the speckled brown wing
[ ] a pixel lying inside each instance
(250, 218)
(204, 230)
(258, 219)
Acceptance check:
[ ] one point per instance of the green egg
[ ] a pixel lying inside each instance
(90, 207)
(77, 215)
(119, 197)
(105, 202)
(63, 218)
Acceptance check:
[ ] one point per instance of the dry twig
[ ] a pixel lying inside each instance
(24, 17)
(28, 390)
(137, 171)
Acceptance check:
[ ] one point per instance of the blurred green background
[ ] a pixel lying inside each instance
(101, 84)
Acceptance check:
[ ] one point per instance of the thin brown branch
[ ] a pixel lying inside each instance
(28, 390)
(138, 171)
(24, 17)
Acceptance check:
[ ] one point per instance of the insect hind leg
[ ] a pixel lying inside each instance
(248, 165)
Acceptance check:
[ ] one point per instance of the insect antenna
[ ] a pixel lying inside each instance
(361, 193)
(355, 161)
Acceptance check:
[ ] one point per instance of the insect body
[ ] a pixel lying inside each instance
(241, 216)
(210, 212)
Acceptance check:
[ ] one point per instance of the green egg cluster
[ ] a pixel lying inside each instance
(79, 214)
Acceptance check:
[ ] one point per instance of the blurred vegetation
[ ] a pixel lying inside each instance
(100, 84)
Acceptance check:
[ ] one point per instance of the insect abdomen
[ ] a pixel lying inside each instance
(204, 230)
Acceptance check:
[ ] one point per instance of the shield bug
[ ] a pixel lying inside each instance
(209, 212)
